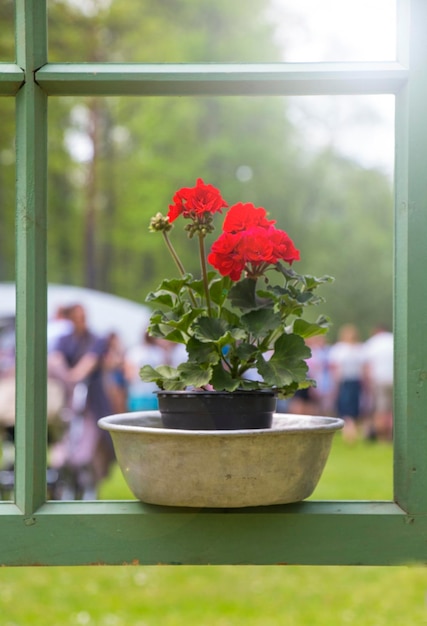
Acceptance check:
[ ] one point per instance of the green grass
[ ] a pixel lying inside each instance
(220, 596)
(227, 595)
(361, 471)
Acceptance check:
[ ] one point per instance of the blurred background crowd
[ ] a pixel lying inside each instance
(91, 375)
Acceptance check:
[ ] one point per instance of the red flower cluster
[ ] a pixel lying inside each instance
(250, 242)
(196, 202)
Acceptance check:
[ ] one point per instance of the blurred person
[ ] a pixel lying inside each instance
(7, 347)
(58, 325)
(346, 358)
(378, 350)
(149, 351)
(315, 400)
(320, 370)
(85, 453)
(114, 373)
(301, 403)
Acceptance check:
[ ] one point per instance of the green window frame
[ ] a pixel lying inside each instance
(34, 531)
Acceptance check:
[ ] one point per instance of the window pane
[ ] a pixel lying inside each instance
(212, 31)
(358, 127)
(7, 31)
(115, 162)
(149, 31)
(7, 296)
(332, 30)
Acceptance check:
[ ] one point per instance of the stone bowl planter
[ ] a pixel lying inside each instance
(221, 468)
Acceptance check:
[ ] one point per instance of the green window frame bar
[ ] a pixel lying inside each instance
(34, 531)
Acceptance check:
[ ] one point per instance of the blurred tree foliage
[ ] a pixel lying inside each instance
(115, 162)
(7, 150)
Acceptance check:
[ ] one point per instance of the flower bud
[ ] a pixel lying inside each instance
(159, 223)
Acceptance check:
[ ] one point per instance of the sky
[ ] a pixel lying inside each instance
(361, 127)
(338, 30)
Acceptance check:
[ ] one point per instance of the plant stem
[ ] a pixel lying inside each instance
(204, 271)
(173, 253)
(178, 263)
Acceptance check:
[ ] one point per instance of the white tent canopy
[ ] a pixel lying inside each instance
(105, 313)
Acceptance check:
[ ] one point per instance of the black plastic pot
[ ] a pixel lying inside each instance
(216, 410)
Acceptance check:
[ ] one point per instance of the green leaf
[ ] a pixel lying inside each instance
(156, 317)
(312, 282)
(197, 286)
(287, 364)
(172, 385)
(268, 294)
(174, 379)
(210, 329)
(288, 272)
(202, 352)
(165, 317)
(222, 380)
(148, 374)
(183, 322)
(291, 347)
(164, 376)
(169, 285)
(242, 295)
(218, 289)
(274, 292)
(231, 318)
(175, 336)
(324, 321)
(192, 375)
(244, 351)
(246, 384)
(167, 332)
(237, 334)
(260, 322)
(305, 297)
(162, 297)
(310, 329)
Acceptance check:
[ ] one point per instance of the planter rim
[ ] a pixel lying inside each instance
(314, 424)
(238, 392)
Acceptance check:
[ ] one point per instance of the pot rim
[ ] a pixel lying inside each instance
(191, 392)
(314, 424)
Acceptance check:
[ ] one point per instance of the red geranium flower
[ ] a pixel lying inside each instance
(284, 247)
(195, 202)
(255, 246)
(253, 249)
(243, 216)
(225, 256)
